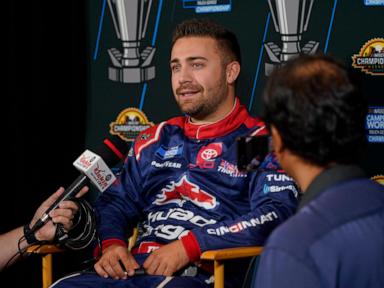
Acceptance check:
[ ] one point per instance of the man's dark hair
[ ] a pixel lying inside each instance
(318, 109)
(202, 27)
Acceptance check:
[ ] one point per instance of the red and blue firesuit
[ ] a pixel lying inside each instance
(181, 181)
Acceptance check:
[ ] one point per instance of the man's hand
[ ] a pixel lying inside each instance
(64, 214)
(167, 259)
(115, 259)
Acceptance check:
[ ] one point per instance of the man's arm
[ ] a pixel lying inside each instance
(12, 241)
(117, 211)
(273, 199)
(268, 211)
(167, 259)
(8, 245)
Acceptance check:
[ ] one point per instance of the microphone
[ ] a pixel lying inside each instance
(94, 166)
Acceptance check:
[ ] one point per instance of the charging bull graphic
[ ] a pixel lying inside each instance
(184, 190)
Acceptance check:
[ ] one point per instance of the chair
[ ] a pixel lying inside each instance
(46, 252)
(217, 256)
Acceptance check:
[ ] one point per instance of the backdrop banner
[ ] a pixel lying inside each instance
(129, 43)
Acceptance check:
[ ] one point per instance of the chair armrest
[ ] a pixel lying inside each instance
(231, 253)
(44, 249)
(218, 257)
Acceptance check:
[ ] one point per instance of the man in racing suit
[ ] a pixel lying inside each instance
(180, 183)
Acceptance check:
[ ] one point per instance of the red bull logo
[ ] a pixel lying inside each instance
(184, 190)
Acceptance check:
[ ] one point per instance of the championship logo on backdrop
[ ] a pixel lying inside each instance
(208, 6)
(371, 57)
(378, 178)
(291, 18)
(133, 64)
(374, 2)
(129, 124)
(374, 124)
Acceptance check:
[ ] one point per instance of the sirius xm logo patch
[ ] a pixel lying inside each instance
(274, 188)
(169, 152)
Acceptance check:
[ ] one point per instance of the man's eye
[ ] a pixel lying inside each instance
(197, 65)
(175, 68)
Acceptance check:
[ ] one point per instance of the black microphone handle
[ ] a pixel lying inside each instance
(72, 190)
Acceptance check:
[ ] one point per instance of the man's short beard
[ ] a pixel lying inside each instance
(202, 110)
(197, 112)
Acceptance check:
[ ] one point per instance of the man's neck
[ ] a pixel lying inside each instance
(303, 172)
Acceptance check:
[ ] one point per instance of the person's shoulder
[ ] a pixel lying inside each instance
(178, 121)
(147, 137)
(149, 134)
(333, 208)
(250, 121)
(256, 125)
(297, 234)
(152, 135)
(350, 199)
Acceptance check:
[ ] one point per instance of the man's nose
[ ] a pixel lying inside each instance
(185, 75)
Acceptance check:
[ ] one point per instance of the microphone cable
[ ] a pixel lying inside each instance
(82, 232)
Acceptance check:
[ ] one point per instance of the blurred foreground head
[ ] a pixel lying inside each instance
(318, 109)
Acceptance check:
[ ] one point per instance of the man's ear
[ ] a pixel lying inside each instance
(277, 142)
(232, 72)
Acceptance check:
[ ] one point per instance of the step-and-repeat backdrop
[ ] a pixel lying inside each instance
(129, 46)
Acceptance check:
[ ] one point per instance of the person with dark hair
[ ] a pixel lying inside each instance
(225, 39)
(316, 113)
(14, 243)
(180, 183)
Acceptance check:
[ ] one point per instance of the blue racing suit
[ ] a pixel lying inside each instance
(181, 181)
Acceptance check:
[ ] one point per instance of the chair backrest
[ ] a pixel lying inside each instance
(132, 239)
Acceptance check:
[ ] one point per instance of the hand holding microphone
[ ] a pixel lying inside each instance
(63, 215)
(94, 167)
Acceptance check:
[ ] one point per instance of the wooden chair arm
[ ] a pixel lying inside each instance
(213, 255)
(231, 253)
(218, 257)
(44, 249)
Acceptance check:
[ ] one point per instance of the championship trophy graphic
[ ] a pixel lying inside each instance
(291, 19)
(133, 63)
